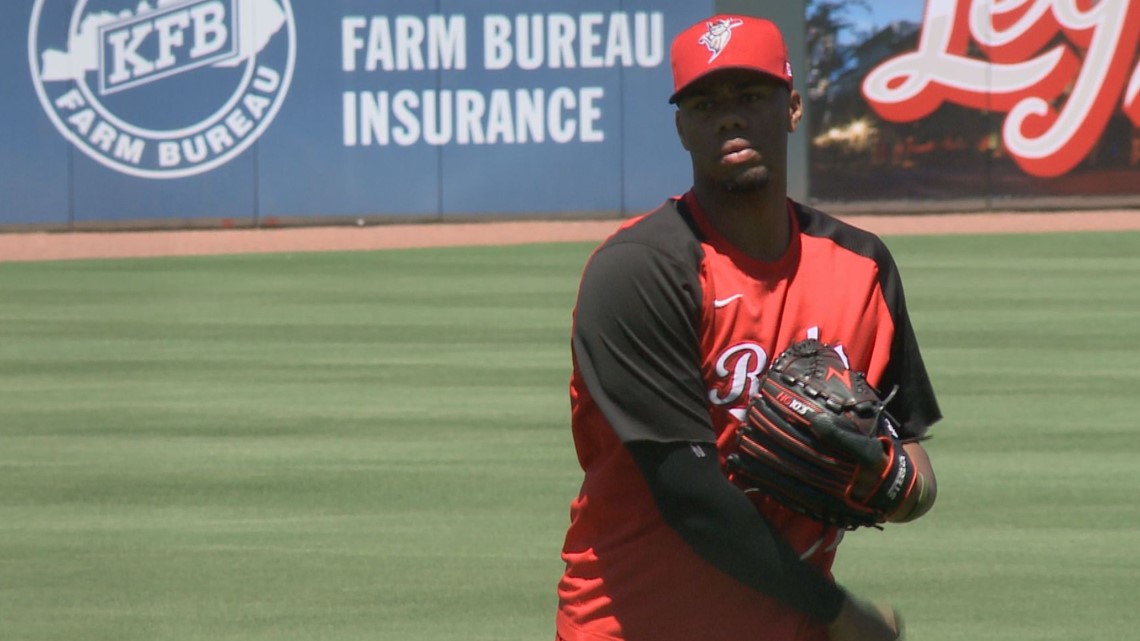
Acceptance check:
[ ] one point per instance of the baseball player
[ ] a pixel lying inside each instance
(679, 313)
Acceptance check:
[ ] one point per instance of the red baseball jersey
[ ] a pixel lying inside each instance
(673, 329)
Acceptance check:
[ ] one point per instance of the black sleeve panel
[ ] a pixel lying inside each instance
(724, 528)
(636, 342)
(915, 406)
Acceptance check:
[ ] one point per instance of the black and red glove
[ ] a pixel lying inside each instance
(813, 436)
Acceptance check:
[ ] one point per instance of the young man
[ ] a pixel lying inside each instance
(678, 315)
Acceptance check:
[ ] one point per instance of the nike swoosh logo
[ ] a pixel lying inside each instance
(721, 302)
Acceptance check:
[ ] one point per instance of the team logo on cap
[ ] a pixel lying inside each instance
(718, 35)
(161, 88)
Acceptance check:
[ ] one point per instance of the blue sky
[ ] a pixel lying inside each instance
(884, 12)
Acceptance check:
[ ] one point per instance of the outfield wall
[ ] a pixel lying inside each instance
(201, 113)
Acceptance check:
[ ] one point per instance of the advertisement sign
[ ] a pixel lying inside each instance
(219, 70)
(250, 112)
(974, 98)
(256, 110)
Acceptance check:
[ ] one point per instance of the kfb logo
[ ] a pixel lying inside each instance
(162, 88)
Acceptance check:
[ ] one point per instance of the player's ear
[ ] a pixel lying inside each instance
(795, 110)
(680, 129)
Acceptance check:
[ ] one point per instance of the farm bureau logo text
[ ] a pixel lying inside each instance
(520, 44)
(166, 88)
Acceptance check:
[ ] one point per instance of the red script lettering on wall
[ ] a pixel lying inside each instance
(1057, 99)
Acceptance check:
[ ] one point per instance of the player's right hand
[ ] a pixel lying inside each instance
(858, 621)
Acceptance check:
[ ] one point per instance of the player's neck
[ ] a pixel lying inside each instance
(756, 222)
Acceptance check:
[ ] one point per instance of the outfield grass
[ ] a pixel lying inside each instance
(376, 445)
(1033, 343)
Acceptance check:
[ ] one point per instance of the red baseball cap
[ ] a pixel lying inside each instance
(728, 42)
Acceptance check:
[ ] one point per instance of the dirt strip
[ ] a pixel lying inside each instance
(120, 244)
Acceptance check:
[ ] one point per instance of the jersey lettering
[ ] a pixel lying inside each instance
(741, 365)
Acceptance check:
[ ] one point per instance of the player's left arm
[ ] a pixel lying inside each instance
(925, 490)
(915, 405)
(920, 494)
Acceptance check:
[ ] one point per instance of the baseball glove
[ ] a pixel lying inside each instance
(817, 439)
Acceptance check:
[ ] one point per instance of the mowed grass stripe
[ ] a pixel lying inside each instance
(335, 446)
(376, 445)
(1030, 340)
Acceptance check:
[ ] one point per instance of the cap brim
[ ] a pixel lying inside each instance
(680, 92)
